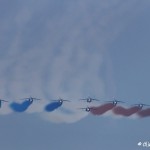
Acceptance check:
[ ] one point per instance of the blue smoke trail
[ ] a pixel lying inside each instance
(20, 107)
(52, 106)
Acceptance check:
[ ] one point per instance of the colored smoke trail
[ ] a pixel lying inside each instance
(99, 110)
(144, 112)
(20, 107)
(119, 110)
(67, 113)
(52, 106)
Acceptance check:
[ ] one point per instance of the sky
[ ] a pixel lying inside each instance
(73, 49)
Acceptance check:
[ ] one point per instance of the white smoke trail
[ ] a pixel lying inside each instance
(5, 109)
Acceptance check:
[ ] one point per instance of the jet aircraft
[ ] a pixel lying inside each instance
(89, 99)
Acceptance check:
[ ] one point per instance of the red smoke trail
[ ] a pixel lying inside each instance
(144, 113)
(119, 110)
(99, 110)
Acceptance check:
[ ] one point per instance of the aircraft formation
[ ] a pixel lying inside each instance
(142, 110)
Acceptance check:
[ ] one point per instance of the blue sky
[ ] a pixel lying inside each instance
(73, 49)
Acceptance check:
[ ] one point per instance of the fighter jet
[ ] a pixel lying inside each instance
(60, 100)
(140, 105)
(89, 99)
(88, 109)
(30, 99)
(115, 102)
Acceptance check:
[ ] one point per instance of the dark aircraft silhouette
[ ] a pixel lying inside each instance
(88, 109)
(89, 99)
(140, 105)
(115, 102)
(30, 99)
